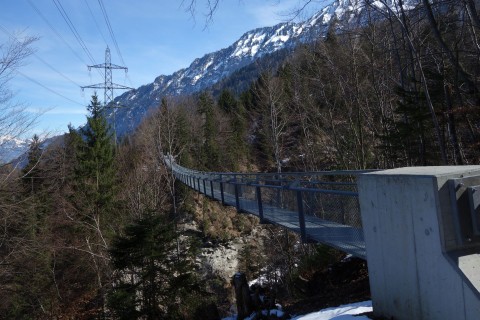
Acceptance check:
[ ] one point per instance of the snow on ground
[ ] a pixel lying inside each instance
(343, 312)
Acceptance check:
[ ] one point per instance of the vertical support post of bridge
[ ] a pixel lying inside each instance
(237, 197)
(221, 190)
(301, 217)
(237, 193)
(204, 187)
(211, 189)
(258, 192)
(417, 270)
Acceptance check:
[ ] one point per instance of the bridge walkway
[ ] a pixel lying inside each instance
(320, 206)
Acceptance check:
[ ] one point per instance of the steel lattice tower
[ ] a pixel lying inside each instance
(108, 86)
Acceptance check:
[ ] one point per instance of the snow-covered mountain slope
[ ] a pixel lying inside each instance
(213, 67)
(11, 148)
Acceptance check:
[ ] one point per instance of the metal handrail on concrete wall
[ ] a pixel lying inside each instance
(321, 206)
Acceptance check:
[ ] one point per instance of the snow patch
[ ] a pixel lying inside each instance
(254, 50)
(196, 78)
(208, 64)
(11, 148)
(344, 311)
(279, 38)
(258, 37)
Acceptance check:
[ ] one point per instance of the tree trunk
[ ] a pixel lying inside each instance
(242, 295)
(451, 57)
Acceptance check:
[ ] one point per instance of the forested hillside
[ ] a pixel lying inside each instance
(91, 229)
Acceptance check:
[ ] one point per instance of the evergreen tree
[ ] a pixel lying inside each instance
(151, 283)
(95, 170)
(31, 172)
(25, 254)
(37, 198)
(413, 136)
(93, 196)
(227, 102)
(210, 150)
(236, 147)
(182, 135)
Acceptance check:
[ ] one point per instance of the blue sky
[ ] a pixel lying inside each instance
(154, 37)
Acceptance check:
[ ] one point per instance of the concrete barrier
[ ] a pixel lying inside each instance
(423, 259)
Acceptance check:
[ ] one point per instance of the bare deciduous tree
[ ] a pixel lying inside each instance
(275, 109)
(14, 119)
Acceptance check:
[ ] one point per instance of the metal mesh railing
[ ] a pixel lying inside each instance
(321, 206)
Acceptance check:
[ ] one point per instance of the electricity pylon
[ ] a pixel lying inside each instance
(108, 85)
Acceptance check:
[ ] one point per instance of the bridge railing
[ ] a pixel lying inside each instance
(320, 206)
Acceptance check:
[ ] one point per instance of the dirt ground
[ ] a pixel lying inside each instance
(342, 283)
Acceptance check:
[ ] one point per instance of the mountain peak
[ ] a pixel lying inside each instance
(12, 148)
(211, 68)
(208, 70)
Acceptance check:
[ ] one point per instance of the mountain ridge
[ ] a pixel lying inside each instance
(213, 67)
(12, 148)
(205, 72)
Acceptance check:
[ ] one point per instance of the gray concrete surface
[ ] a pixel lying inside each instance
(417, 268)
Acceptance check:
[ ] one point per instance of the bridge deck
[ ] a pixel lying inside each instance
(343, 237)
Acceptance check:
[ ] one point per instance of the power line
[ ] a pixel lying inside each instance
(36, 56)
(55, 31)
(108, 86)
(48, 65)
(112, 35)
(74, 31)
(61, 74)
(96, 23)
(47, 88)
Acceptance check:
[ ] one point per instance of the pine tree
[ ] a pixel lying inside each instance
(227, 102)
(236, 145)
(182, 135)
(210, 150)
(95, 171)
(31, 172)
(24, 252)
(93, 198)
(151, 283)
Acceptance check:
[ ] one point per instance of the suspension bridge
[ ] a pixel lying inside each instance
(320, 206)
(418, 228)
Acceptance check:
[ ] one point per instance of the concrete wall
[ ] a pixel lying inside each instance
(416, 270)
